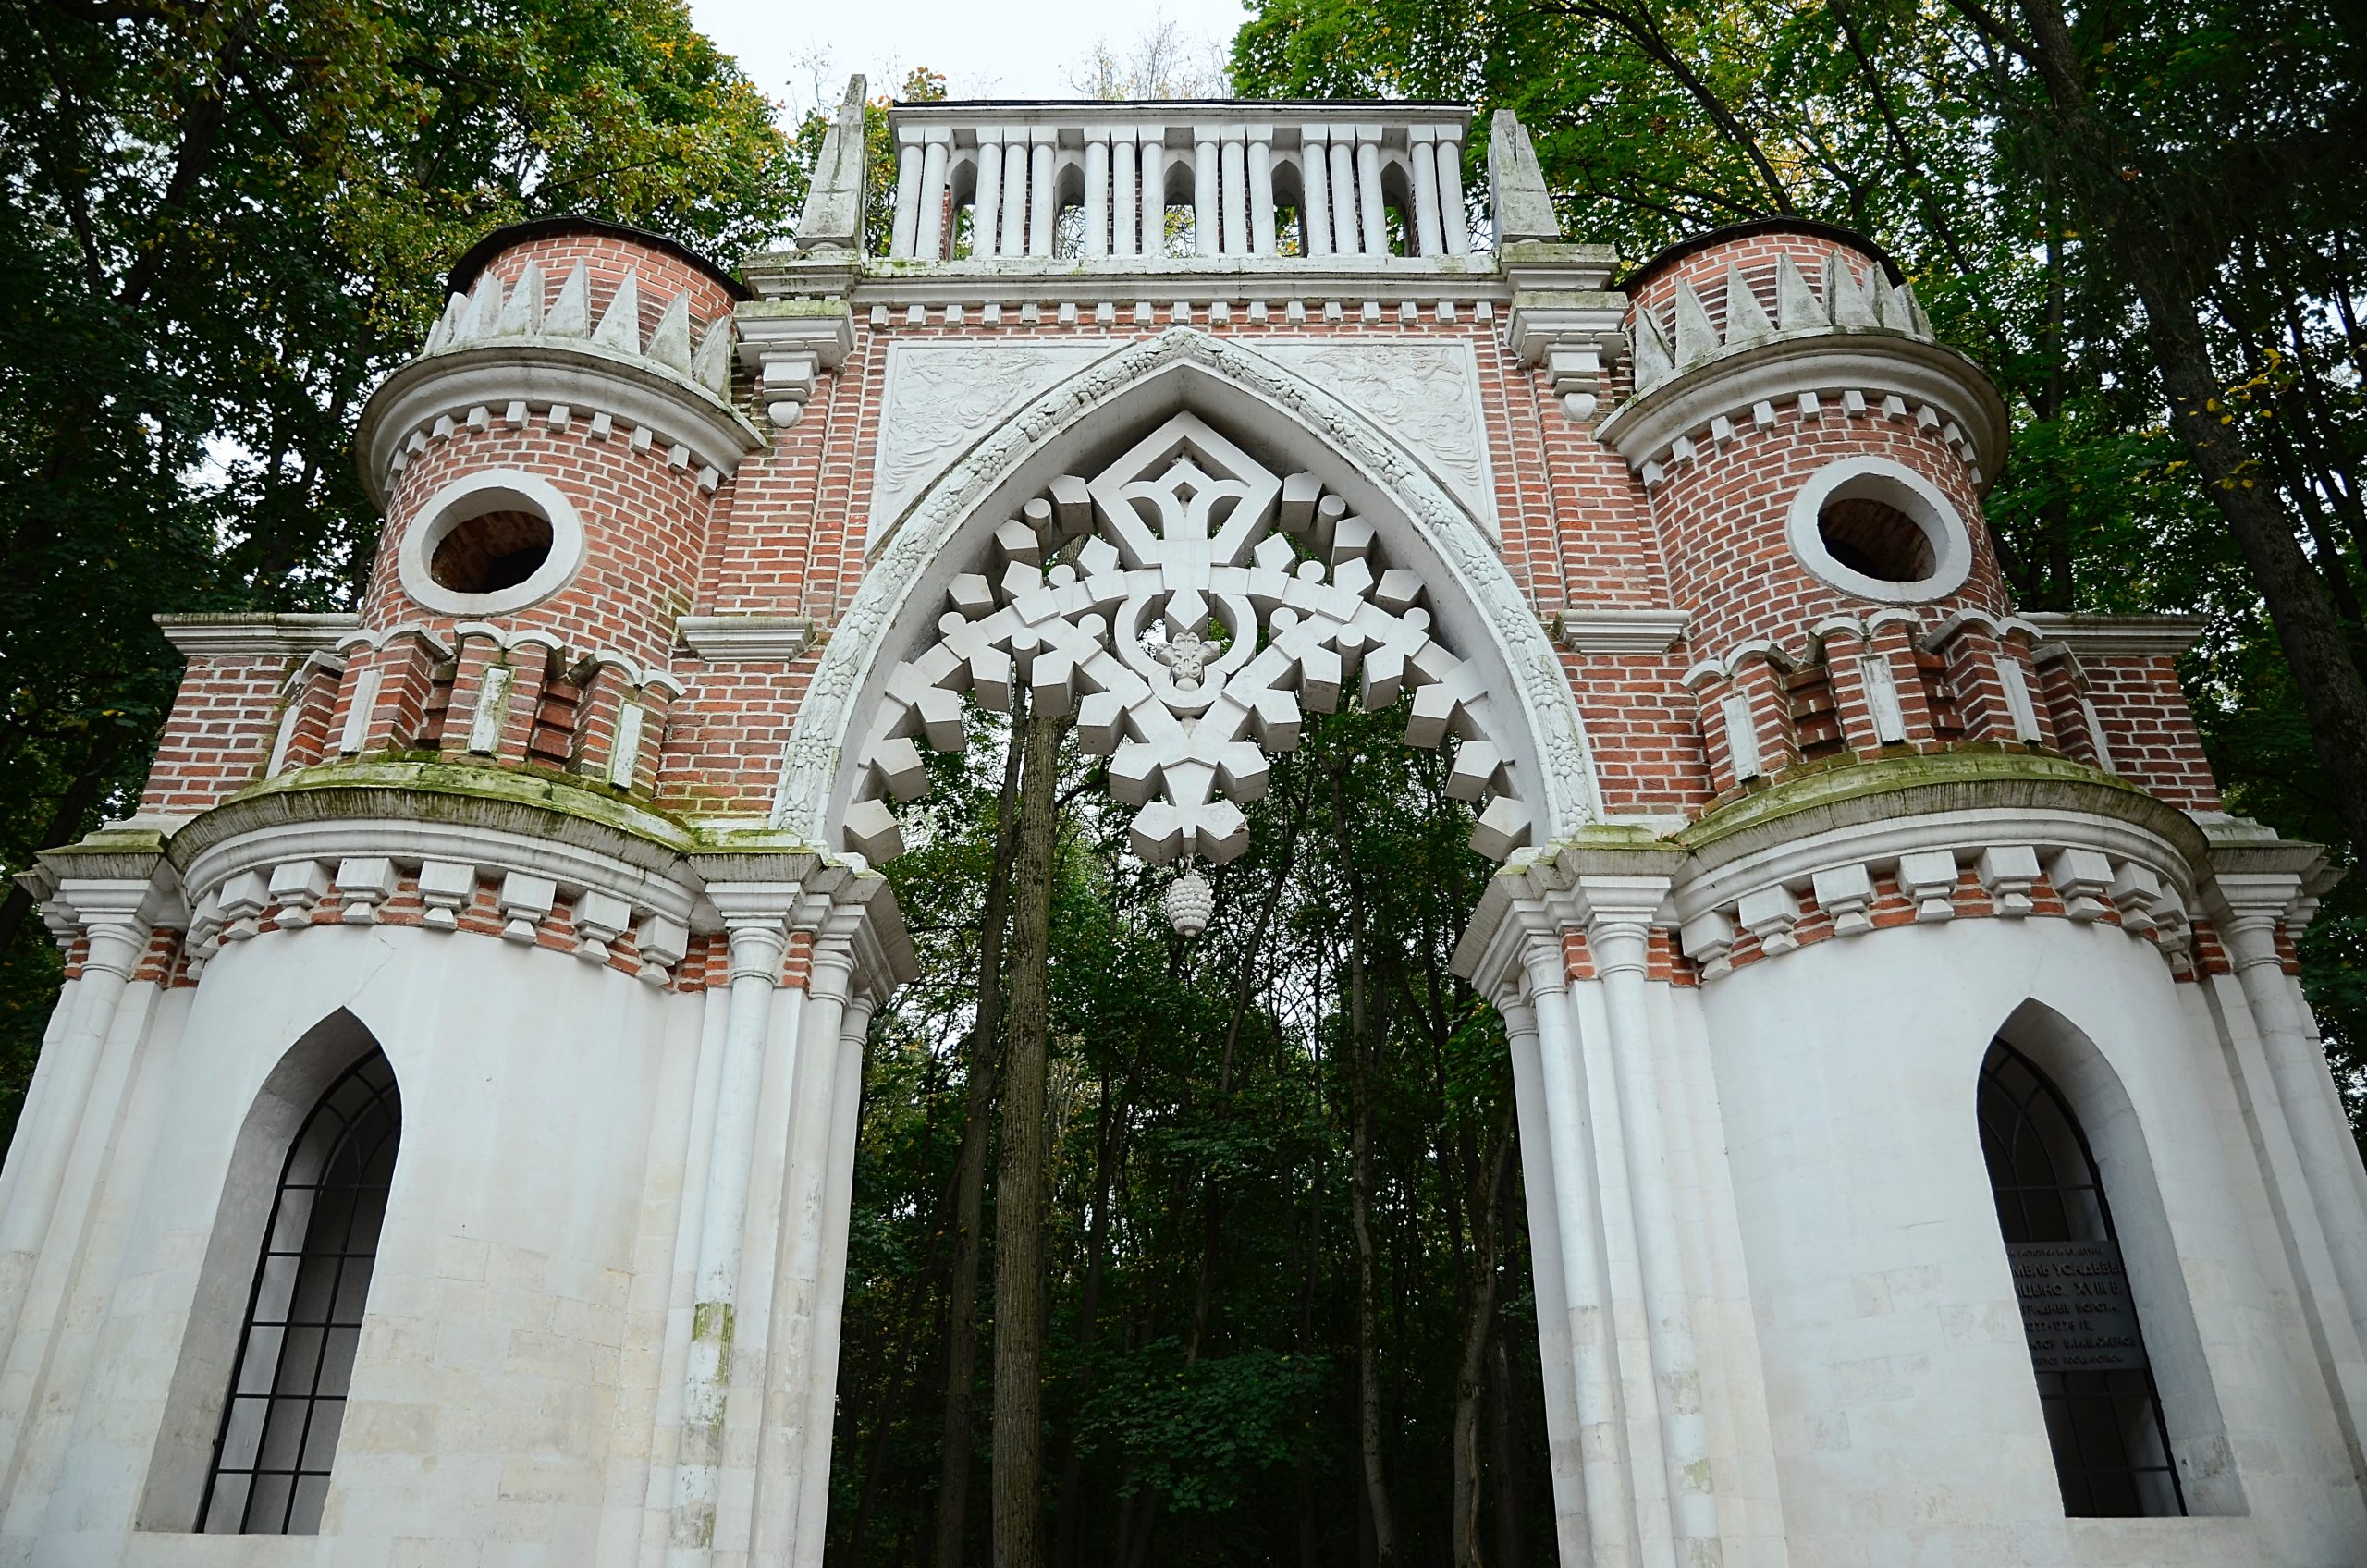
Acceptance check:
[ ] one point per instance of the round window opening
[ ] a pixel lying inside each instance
(491, 542)
(1876, 538)
(1879, 530)
(491, 551)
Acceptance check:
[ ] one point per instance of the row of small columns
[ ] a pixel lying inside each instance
(1016, 196)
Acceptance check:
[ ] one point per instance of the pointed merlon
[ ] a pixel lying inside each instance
(484, 308)
(1522, 206)
(671, 344)
(1649, 353)
(1795, 307)
(523, 316)
(1905, 312)
(833, 216)
(1846, 293)
(447, 330)
(621, 329)
(712, 367)
(570, 314)
(1696, 338)
(1745, 319)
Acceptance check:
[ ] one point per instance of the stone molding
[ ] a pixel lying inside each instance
(2119, 636)
(815, 778)
(747, 638)
(254, 636)
(1087, 283)
(788, 344)
(936, 398)
(1586, 630)
(1797, 371)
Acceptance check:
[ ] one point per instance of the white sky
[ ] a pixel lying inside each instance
(799, 54)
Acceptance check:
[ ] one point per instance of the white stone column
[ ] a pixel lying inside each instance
(905, 232)
(1421, 157)
(1233, 191)
(117, 923)
(1315, 190)
(1611, 1526)
(1043, 195)
(2326, 1230)
(1452, 217)
(45, 1253)
(1206, 235)
(1097, 190)
(788, 1398)
(1126, 215)
(757, 924)
(1619, 935)
(929, 241)
(986, 201)
(1013, 240)
(838, 1203)
(1376, 221)
(1154, 195)
(1345, 235)
(1261, 189)
(1565, 1453)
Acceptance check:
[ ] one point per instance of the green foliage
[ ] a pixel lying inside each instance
(1194, 1432)
(1204, 1372)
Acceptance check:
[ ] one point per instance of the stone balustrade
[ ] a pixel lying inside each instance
(992, 180)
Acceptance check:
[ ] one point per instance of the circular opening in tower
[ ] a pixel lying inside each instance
(491, 551)
(490, 543)
(1870, 535)
(1878, 530)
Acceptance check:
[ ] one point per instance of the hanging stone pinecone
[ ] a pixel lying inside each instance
(1189, 903)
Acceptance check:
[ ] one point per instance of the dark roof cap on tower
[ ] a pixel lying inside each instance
(465, 270)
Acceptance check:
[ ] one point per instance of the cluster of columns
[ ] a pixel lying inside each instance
(1126, 173)
(764, 1232)
(1625, 1424)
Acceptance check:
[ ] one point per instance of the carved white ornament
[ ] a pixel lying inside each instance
(1535, 693)
(1427, 395)
(1210, 601)
(938, 398)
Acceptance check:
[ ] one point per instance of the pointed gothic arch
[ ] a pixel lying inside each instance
(310, 1167)
(1259, 467)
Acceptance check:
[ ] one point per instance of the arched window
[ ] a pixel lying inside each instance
(295, 1358)
(2103, 1414)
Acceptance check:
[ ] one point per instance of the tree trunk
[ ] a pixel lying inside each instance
(969, 1183)
(1368, 1417)
(1019, 1181)
(1479, 1327)
(2333, 694)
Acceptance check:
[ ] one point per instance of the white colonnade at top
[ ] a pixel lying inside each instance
(1016, 175)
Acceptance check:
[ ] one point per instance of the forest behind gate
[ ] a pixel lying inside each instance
(225, 220)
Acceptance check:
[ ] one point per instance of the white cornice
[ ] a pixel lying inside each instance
(746, 637)
(1123, 280)
(2120, 636)
(1869, 359)
(255, 636)
(1588, 631)
(538, 374)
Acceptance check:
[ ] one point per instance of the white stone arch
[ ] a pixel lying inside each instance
(1295, 425)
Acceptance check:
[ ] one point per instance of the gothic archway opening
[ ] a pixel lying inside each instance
(1282, 1281)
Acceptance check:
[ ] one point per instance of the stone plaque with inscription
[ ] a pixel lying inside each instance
(2076, 1307)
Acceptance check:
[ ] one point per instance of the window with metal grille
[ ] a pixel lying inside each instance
(2103, 1413)
(295, 1360)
